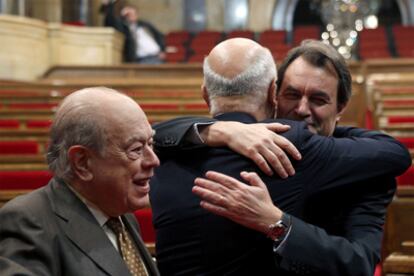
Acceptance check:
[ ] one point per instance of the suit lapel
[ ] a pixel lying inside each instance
(81, 227)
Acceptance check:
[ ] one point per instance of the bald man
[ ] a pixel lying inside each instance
(102, 159)
(239, 86)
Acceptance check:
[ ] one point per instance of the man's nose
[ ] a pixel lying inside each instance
(303, 107)
(151, 159)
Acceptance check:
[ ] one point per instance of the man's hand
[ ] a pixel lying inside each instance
(250, 206)
(258, 142)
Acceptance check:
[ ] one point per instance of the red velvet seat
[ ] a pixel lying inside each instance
(19, 147)
(398, 103)
(177, 38)
(241, 33)
(196, 106)
(144, 217)
(400, 119)
(33, 106)
(407, 178)
(16, 180)
(9, 123)
(306, 32)
(159, 106)
(38, 123)
(270, 37)
(407, 141)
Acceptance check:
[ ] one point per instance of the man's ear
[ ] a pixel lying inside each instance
(341, 110)
(205, 95)
(271, 95)
(79, 159)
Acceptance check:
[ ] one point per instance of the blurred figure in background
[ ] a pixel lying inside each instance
(143, 42)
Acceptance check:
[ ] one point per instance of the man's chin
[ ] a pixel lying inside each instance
(313, 129)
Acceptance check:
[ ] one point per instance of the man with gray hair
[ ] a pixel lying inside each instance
(239, 86)
(101, 156)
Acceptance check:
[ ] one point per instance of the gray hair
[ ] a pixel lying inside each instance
(75, 123)
(253, 80)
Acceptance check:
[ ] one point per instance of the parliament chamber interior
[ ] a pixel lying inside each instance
(51, 48)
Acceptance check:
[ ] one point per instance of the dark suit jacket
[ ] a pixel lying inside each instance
(191, 241)
(51, 232)
(120, 25)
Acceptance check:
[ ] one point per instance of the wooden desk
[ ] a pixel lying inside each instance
(400, 263)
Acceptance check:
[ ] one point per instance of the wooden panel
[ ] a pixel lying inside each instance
(399, 225)
(29, 47)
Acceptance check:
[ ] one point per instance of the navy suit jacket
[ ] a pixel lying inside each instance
(191, 241)
(51, 232)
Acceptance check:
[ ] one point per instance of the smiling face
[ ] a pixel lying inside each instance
(309, 93)
(121, 176)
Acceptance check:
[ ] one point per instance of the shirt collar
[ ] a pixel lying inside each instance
(100, 216)
(236, 116)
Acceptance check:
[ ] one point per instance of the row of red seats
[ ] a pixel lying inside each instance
(373, 43)
(181, 44)
(15, 123)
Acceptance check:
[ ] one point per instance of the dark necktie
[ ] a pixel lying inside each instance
(127, 248)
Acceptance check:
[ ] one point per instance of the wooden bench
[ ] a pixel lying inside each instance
(400, 263)
(399, 225)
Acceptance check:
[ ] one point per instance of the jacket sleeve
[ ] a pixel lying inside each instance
(344, 226)
(172, 136)
(24, 242)
(361, 155)
(350, 242)
(110, 20)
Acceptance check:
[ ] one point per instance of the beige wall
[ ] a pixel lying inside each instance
(29, 46)
(260, 16)
(47, 10)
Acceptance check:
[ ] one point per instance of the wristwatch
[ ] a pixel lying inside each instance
(277, 231)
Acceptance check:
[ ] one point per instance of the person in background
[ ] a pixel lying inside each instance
(80, 223)
(334, 173)
(143, 42)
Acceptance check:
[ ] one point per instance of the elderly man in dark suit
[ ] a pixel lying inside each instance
(80, 223)
(239, 86)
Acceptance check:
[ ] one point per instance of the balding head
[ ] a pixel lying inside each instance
(233, 56)
(237, 75)
(84, 118)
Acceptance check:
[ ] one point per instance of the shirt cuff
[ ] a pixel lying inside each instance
(193, 135)
(278, 246)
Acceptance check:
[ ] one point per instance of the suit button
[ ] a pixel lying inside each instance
(169, 140)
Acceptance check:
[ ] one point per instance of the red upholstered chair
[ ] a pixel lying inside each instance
(400, 119)
(270, 37)
(373, 43)
(407, 141)
(241, 33)
(306, 32)
(38, 123)
(19, 147)
(144, 217)
(159, 106)
(9, 123)
(197, 58)
(177, 38)
(176, 53)
(50, 106)
(407, 178)
(26, 180)
(378, 270)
